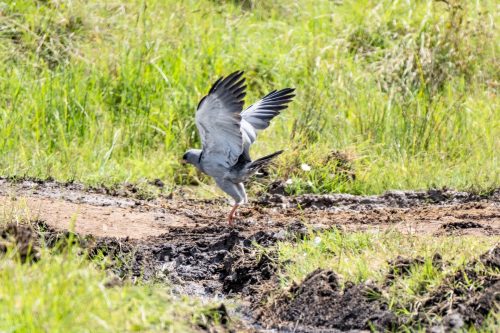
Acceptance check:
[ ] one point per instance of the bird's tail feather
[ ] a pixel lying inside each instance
(263, 161)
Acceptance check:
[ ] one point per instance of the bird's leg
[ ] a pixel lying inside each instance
(231, 214)
(243, 193)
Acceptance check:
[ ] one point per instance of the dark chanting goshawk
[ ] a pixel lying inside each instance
(227, 132)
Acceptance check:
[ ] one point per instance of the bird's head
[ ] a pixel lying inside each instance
(192, 156)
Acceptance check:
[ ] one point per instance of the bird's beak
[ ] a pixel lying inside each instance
(183, 162)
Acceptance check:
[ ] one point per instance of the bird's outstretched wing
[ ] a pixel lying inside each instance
(218, 119)
(258, 116)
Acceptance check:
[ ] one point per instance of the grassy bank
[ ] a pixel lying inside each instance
(406, 272)
(61, 290)
(105, 92)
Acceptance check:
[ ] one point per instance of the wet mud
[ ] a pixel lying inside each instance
(186, 244)
(319, 302)
(211, 262)
(94, 212)
(395, 199)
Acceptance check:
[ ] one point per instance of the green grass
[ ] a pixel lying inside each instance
(105, 92)
(361, 256)
(66, 293)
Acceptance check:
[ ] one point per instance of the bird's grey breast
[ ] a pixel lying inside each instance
(213, 165)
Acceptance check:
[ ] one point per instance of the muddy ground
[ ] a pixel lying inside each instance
(187, 244)
(98, 213)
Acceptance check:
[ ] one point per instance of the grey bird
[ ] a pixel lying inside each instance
(227, 132)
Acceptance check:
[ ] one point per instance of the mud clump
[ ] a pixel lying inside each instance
(57, 239)
(22, 239)
(402, 266)
(277, 196)
(452, 226)
(199, 259)
(212, 317)
(320, 303)
(344, 167)
(227, 262)
(463, 299)
(244, 268)
(278, 187)
(122, 259)
(206, 261)
(491, 258)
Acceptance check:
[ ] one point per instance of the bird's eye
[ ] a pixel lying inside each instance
(185, 157)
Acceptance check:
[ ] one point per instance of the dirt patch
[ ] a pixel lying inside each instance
(320, 303)
(245, 267)
(187, 244)
(206, 262)
(394, 199)
(460, 225)
(402, 266)
(466, 227)
(217, 261)
(71, 207)
(95, 218)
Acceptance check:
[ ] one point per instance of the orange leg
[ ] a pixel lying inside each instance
(231, 214)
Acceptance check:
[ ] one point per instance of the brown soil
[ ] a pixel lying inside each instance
(402, 266)
(320, 303)
(103, 215)
(188, 243)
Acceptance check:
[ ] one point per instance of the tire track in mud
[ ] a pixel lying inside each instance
(102, 215)
(188, 244)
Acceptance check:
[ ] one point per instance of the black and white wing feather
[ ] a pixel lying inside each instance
(259, 115)
(218, 119)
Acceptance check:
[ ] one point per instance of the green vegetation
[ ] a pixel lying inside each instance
(65, 294)
(362, 256)
(105, 92)
(390, 95)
